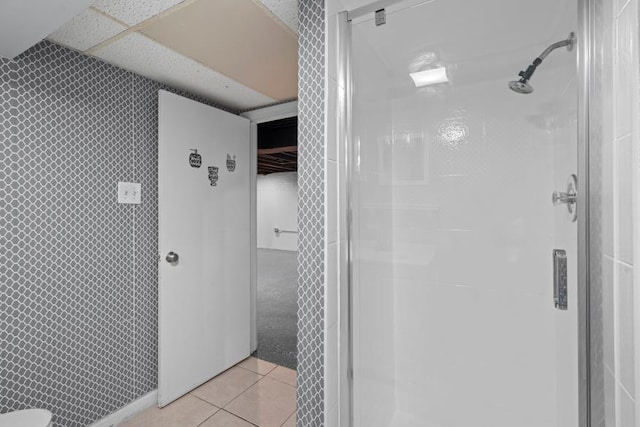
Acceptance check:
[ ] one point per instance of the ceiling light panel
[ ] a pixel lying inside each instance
(285, 10)
(133, 12)
(430, 77)
(142, 55)
(87, 30)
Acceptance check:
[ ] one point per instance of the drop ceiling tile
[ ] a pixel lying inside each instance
(132, 12)
(285, 10)
(236, 38)
(86, 30)
(144, 56)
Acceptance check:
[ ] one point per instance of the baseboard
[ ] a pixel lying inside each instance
(135, 407)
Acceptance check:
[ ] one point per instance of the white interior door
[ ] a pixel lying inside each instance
(204, 297)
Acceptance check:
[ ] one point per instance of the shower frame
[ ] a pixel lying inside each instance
(586, 45)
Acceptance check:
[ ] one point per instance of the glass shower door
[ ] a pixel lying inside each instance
(453, 229)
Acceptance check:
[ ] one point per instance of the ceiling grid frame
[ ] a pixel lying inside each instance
(281, 12)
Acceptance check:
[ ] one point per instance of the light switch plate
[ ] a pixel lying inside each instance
(129, 193)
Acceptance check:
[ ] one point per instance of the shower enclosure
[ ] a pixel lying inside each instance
(457, 255)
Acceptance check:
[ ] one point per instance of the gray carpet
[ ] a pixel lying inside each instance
(277, 307)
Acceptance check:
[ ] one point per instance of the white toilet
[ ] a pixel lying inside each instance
(26, 418)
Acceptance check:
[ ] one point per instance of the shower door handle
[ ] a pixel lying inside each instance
(560, 297)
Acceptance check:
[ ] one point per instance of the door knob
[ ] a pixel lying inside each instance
(172, 257)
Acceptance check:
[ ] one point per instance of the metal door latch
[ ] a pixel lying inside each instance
(560, 297)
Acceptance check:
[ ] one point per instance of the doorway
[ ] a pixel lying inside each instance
(276, 242)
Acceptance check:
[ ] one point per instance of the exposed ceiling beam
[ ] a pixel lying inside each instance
(277, 160)
(283, 168)
(278, 150)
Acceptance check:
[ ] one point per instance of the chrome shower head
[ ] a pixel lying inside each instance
(520, 86)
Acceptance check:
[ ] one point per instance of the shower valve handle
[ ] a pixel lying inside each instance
(568, 198)
(560, 198)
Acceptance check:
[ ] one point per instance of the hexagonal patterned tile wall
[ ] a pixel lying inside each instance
(78, 272)
(311, 156)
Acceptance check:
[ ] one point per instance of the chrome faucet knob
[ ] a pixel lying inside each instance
(560, 198)
(568, 198)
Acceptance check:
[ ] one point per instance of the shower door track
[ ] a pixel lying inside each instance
(586, 46)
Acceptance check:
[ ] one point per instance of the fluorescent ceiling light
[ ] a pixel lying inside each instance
(430, 77)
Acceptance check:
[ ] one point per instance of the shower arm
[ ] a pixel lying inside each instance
(569, 42)
(557, 45)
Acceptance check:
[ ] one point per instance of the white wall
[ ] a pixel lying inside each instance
(277, 207)
(21, 28)
(619, 200)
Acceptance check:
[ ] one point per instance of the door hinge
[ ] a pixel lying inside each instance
(381, 17)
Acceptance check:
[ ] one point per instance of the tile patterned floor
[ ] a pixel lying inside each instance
(252, 393)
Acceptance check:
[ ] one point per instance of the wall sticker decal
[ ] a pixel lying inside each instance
(231, 163)
(213, 175)
(195, 159)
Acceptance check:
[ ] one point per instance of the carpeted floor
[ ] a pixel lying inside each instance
(277, 307)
